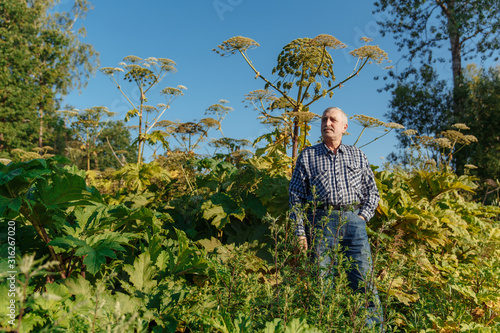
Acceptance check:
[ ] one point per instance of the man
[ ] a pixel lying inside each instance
(336, 180)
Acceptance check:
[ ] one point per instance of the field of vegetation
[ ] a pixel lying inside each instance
(210, 249)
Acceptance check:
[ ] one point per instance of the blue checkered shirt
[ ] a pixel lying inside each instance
(342, 179)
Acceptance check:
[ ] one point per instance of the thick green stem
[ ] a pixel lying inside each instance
(295, 141)
(141, 139)
(356, 72)
(366, 144)
(266, 80)
(359, 136)
(301, 100)
(43, 234)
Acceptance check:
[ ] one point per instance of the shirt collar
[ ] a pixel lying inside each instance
(326, 150)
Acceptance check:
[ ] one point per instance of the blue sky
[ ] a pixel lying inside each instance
(187, 31)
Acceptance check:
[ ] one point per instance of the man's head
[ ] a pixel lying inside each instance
(333, 125)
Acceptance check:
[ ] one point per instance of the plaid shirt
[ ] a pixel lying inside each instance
(342, 179)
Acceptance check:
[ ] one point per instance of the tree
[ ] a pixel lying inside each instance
(305, 74)
(16, 98)
(64, 62)
(482, 116)
(42, 59)
(421, 102)
(468, 29)
(114, 146)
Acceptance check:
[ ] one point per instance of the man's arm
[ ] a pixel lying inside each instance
(370, 192)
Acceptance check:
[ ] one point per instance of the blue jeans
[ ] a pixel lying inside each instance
(327, 230)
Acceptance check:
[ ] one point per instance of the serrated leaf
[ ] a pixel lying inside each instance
(67, 242)
(79, 286)
(161, 261)
(99, 247)
(126, 304)
(9, 203)
(64, 189)
(210, 244)
(142, 273)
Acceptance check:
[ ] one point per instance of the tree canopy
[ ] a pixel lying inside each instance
(421, 99)
(43, 59)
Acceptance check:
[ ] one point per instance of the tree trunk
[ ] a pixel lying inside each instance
(88, 157)
(456, 56)
(96, 161)
(40, 131)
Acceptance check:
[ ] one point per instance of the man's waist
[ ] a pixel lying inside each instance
(342, 207)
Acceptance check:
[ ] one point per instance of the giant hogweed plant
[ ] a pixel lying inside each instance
(146, 74)
(304, 75)
(229, 203)
(207, 286)
(436, 152)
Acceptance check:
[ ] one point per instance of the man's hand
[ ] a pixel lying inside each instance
(303, 243)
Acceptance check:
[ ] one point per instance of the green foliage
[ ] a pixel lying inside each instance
(184, 244)
(232, 201)
(138, 177)
(88, 125)
(69, 218)
(224, 258)
(435, 238)
(114, 146)
(43, 59)
(483, 99)
(420, 100)
(425, 26)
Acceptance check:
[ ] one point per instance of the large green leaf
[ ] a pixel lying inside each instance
(142, 273)
(79, 286)
(66, 243)
(9, 203)
(65, 189)
(213, 213)
(184, 256)
(94, 249)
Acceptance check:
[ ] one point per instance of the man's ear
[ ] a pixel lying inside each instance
(345, 127)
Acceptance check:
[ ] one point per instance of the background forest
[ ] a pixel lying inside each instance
(125, 225)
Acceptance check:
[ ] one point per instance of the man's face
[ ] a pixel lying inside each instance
(332, 125)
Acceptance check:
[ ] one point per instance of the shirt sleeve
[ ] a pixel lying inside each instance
(369, 191)
(297, 195)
